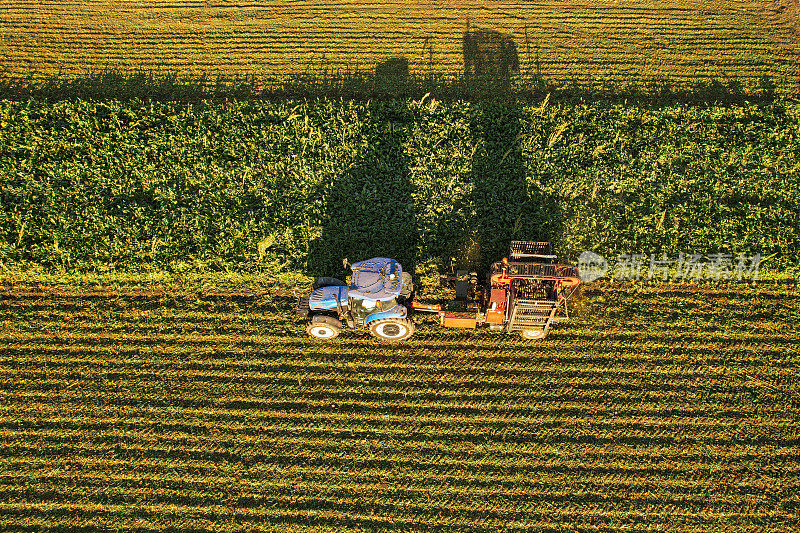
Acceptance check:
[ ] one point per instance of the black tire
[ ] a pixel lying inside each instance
(533, 334)
(327, 282)
(323, 327)
(391, 329)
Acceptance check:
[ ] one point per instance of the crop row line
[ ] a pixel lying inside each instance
(212, 359)
(612, 344)
(532, 482)
(552, 405)
(287, 463)
(465, 430)
(352, 391)
(65, 428)
(613, 471)
(540, 464)
(287, 389)
(510, 504)
(225, 364)
(333, 514)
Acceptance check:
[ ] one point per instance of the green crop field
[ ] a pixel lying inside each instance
(594, 43)
(267, 187)
(153, 375)
(658, 408)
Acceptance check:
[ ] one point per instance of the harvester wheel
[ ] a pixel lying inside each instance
(391, 329)
(323, 327)
(533, 334)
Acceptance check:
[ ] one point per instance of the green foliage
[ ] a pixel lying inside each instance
(261, 186)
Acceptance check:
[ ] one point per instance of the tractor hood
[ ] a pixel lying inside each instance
(327, 298)
(378, 278)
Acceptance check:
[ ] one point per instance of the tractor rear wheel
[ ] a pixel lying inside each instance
(323, 327)
(391, 329)
(533, 334)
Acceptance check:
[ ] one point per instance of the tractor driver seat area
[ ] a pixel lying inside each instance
(378, 278)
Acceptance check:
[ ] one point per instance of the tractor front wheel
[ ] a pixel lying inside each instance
(392, 329)
(533, 334)
(323, 327)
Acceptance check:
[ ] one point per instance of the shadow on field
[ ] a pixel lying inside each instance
(490, 59)
(503, 206)
(370, 209)
(506, 207)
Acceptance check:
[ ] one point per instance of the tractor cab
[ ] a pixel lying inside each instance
(375, 286)
(371, 300)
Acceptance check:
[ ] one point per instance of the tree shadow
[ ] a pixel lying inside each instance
(369, 210)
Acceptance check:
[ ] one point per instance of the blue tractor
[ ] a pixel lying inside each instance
(375, 299)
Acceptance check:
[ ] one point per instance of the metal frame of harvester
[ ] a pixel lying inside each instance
(522, 293)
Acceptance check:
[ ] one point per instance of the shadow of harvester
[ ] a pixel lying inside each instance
(505, 204)
(490, 59)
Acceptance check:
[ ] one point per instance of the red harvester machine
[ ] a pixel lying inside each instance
(522, 293)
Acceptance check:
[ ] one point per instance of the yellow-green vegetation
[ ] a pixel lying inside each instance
(268, 187)
(664, 407)
(590, 42)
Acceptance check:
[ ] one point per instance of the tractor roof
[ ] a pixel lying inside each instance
(378, 278)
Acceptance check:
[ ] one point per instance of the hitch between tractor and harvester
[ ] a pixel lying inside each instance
(522, 293)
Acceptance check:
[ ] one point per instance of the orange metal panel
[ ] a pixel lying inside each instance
(459, 320)
(495, 317)
(428, 308)
(497, 306)
(465, 323)
(498, 295)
